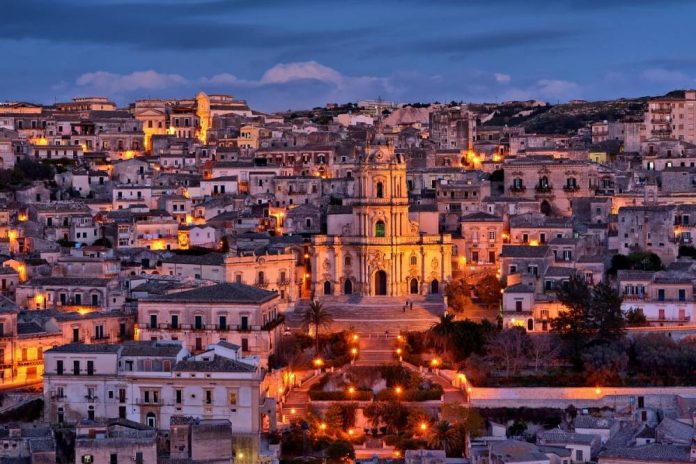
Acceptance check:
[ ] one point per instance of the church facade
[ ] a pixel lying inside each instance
(372, 246)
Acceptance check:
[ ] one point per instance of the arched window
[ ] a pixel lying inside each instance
(380, 190)
(379, 229)
(327, 288)
(517, 182)
(347, 261)
(530, 325)
(414, 260)
(543, 182)
(151, 420)
(571, 182)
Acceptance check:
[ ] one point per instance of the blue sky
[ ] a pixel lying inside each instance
(282, 54)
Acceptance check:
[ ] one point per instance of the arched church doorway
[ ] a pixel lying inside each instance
(434, 286)
(327, 288)
(347, 287)
(414, 286)
(380, 283)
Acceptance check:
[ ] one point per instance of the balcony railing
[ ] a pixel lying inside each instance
(151, 402)
(517, 188)
(570, 188)
(543, 189)
(261, 283)
(283, 282)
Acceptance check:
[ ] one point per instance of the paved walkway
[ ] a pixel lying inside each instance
(375, 315)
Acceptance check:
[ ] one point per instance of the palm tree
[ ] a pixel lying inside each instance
(316, 316)
(443, 333)
(444, 436)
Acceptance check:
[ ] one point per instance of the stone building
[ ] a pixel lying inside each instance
(372, 247)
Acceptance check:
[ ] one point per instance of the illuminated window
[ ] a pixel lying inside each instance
(379, 229)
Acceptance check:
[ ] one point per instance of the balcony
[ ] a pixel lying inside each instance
(270, 325)
(261, 283)
(100, 339)
(667, 109)
(151, 402)
(543, 189)
(661, 132)
(32, 362)
(517, 188)
(283, 282)
(570, 188)
(91, 399)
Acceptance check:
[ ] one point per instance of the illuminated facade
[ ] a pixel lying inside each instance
(373, 247)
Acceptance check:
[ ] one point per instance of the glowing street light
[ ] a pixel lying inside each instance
(435, 362)
(318, 362)
(355, 338)
(351, 390)
(423, 426)
(351, 432)
(398, 390)
(322, 426)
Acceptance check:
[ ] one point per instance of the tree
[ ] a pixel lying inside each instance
(606, 362)
(442, 334)
(458, 293)
(316, 316)
(340, 450)
(543, 350)
(640, 260)
(443, 435)
(509, 349)
(635, 318)
(488, 290)
(592, 313)
(469, 418)
(395, 416)
(605, 313)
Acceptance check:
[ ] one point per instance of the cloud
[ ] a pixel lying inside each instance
(665, 76)
(222, 79)
(286, 72)
(118, 84)
(502, 78)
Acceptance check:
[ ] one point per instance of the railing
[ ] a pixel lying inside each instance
(33, 362)
(543, 189)
(661, 109)
(274, 323)
(151, 402)
(283, 282)
(517, 188)
(100, 339)
(91, 399)
(570, 188)
(261, 283)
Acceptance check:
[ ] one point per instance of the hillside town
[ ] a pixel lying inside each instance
(195, 281)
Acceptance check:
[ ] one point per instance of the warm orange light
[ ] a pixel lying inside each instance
(39, 299)
(12, 235)
(355, 338)
(354, 351)
(318, 362)
(293, 411)
(351, 390)
(83, 310)
(399, 337)
(158, 245)
(399, 351)
(189, 219)
(306, 255)
(41, 141)
(435, 362)
(534, 243)
(469, 389)
(423, 426)
(280, 390)
(322, 426)
(598, 390)
(397, 453)
(398, 390)
(22, 217)
(306, 276)
(351, 432)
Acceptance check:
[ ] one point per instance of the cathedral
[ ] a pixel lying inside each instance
(372, 246)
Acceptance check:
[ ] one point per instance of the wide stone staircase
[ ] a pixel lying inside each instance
(376, 315)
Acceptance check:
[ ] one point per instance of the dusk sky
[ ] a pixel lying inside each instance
(298, 54)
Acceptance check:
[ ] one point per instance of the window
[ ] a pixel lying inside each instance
(198, 322)
(518, 306)
(347, 261)
(178, 397)
(222, 325)
(244, 323)
(414, 260)
(175, 321)
(208, 397)
(379, 229)
(233, 398)
(661, 294)
(59, 367)
(682, 294)
(380, 190)
(153, 321)
(245, 344)
(90, 367)
(76, 367)
(150, 420)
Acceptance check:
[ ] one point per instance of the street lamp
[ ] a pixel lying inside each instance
(318, 362)
(398, 391)
(423, 426)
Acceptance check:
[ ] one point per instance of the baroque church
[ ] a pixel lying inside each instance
(372, 246)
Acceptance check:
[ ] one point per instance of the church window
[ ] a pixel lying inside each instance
(379, 229)
(414, 260)
(347, 261)
(380, 190)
